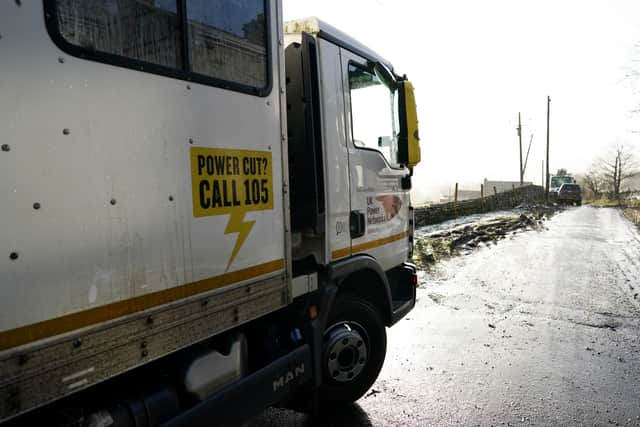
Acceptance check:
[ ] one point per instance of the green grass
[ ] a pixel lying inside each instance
(608, 203)
(603, 203)
(437, 249)
(633, 214)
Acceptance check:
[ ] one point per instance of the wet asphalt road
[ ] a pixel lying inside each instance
(541, 329)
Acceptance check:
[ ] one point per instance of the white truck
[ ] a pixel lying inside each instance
(203, 210)
(557, 180)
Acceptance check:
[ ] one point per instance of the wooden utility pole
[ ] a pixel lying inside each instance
(520, 142)
(546, 187)
(455, 195)
(526, 158)
(542, 175)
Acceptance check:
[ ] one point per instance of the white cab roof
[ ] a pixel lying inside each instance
(323, 30)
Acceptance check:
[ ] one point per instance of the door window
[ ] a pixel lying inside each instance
(374, 112)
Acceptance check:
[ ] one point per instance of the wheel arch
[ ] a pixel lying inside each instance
(362, 275)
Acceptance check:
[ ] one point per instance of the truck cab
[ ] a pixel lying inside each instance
(350, 169)
(558, 181)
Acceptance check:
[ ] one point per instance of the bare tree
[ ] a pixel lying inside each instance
(593, 182)
(616, 167)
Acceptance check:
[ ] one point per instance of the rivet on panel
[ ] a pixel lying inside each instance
(190, 140)
(170, 198)
(77, 343)
(18, 3)
(205, 302)
(144, 353)
(6, 147)
(36, 206)
(13, 256)
(66, 131)
(61, 59)
(143, 344)
(188, 87)
(112, 201)
(149, 320)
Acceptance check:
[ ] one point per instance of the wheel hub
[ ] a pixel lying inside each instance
(345, 352)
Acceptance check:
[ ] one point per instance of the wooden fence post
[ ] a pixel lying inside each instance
(455, 201)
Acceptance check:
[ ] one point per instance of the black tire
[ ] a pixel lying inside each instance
(361, 316)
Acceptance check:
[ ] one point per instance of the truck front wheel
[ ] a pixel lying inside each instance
(354, 347)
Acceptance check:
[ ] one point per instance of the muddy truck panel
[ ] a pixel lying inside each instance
(129, 200)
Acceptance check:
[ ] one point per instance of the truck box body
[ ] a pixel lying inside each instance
(109, 156)
(146, 198)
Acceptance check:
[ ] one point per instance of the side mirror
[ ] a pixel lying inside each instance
(408, 139)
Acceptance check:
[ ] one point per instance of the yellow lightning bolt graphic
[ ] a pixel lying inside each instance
(237, 224)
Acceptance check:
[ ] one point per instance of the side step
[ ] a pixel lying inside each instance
(246, 398)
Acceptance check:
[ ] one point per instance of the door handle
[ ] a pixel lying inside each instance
(356, 224)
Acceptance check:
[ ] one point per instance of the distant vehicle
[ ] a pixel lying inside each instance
(570, 193)
(557, 181)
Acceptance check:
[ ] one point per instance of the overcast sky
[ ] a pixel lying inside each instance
(476, 64)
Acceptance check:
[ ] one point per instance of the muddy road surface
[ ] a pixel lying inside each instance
(541, 329)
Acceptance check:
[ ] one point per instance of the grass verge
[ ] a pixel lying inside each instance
(632, 213)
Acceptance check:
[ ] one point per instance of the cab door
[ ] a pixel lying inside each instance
(379, 215)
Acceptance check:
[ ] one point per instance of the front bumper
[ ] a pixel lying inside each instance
(569, 197)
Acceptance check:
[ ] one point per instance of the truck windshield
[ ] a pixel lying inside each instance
(558, 180)
(374, 112)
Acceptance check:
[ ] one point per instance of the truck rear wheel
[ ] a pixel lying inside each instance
(354, 348)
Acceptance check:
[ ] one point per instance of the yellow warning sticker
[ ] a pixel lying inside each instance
(230, 181)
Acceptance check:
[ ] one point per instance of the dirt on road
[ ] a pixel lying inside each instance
(435, 246)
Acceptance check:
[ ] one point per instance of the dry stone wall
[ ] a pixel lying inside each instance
(509, 199)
